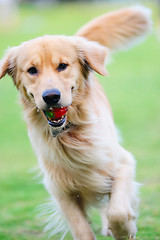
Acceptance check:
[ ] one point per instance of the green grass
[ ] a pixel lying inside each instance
(133, 90)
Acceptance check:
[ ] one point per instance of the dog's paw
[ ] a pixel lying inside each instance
(122, 221)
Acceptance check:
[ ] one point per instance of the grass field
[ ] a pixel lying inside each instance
(133, 88)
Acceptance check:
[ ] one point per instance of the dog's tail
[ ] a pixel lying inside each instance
(119, 29)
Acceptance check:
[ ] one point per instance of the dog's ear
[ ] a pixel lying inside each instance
(92, 54)
(8, 64)
(119, 29)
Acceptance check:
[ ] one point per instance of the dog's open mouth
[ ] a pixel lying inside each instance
(56, 116)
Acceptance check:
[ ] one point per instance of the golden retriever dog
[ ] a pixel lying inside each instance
(70, 123)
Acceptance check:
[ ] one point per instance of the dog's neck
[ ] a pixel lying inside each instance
(56, 132)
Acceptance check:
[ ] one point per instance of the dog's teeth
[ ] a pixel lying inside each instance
(59, 120)
(56, 120)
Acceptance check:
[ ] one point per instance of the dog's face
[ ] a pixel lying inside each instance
(49, 71)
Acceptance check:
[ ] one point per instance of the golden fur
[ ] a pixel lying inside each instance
(84, 163)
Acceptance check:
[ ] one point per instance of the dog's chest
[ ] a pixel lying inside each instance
(74, 164)
(78, 170)
(86, 181)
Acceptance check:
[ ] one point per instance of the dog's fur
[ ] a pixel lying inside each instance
(83, 163)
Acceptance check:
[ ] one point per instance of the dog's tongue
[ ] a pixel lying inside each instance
(56, 113)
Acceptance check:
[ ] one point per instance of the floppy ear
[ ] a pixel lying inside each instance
(92, 54)
(8, 64)
(119, 29)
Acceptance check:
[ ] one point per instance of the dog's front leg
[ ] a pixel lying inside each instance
(105, 231)
(121, 210)
(76, 218)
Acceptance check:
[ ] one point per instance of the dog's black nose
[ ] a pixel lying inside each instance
(51, 97)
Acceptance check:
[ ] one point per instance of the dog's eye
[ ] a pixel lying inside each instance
(62, 67)
(32, 71)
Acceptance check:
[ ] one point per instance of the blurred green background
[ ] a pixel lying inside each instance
(133, 89)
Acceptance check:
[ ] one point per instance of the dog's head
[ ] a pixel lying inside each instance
(50, 71)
